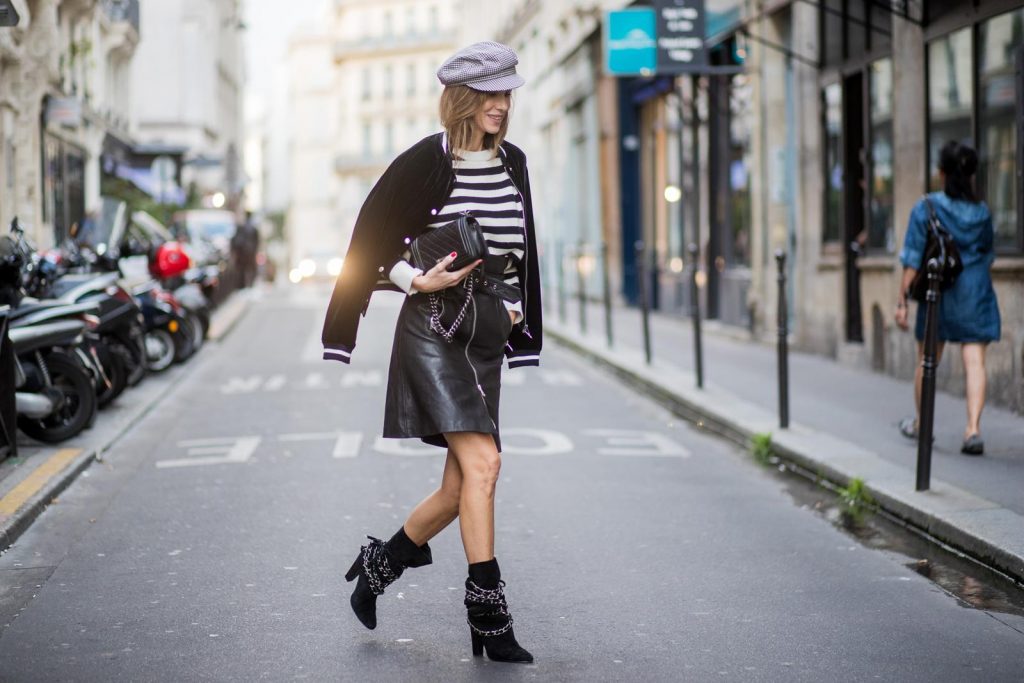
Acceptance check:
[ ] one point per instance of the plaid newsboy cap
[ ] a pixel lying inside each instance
(486, 66)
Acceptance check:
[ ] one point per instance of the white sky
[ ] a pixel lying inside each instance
(269, 23)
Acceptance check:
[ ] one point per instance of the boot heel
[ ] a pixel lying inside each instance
(354, 571)
(478, 644)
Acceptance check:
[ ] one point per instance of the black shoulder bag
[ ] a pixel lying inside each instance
(465, 237)
(941, 246)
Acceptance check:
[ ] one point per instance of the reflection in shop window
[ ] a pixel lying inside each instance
(950, 96)
(833, 106)
(999, 38)
(880, 225)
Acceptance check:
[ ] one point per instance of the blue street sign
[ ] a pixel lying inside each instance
(630, 42)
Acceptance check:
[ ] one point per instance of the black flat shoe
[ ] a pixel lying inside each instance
(973, 445)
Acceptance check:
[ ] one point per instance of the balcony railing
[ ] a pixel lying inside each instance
(123, 10)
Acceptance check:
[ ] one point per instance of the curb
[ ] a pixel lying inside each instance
(828, 457)
(22, 518)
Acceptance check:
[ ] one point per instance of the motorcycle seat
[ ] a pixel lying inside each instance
(33, 337)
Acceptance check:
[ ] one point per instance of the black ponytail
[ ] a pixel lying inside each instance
(959, 163)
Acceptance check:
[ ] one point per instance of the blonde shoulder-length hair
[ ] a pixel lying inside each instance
(459, 105)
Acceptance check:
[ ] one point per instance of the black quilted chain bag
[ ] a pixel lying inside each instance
(465, 237)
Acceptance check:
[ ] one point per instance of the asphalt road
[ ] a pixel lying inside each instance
(211, 542)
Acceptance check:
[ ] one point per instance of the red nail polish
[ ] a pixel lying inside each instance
(453, 254)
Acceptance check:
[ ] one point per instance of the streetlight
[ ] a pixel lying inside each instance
(673, 194)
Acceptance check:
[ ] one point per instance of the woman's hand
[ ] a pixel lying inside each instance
(901, 315)
(438, 277)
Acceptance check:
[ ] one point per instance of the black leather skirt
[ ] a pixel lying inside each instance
(435, 386)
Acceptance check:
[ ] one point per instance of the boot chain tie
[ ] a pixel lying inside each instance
(494, 597)
(376, 566)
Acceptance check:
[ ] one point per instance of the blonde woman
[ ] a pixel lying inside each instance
(444, 380)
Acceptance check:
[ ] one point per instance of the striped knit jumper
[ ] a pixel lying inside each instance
(483, 189)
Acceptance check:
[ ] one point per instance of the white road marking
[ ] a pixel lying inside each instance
(242, 385)
(347, 445)
(560, 378)
(233, 450)
(368, 378)
(315, 380)
(275, 382)
(636, 442)
(551, 442)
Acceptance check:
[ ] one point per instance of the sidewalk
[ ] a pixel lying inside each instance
(843, 424)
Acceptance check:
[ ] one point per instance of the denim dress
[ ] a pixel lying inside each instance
(968, 311)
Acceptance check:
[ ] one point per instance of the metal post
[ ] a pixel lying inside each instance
(606, 286)
(928, 364)
(561, 282)
(698, 351)
(581, 288)
(783, 343)
(641, 273)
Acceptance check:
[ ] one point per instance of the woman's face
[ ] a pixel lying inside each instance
(493, 112)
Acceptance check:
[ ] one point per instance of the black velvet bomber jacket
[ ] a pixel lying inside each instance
(398, 209)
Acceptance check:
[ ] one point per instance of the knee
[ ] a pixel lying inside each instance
(483, 475)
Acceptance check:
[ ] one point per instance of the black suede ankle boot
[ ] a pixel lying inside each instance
(490, 624)
(378, 565)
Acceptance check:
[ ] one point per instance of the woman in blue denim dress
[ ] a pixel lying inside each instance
(968, 312)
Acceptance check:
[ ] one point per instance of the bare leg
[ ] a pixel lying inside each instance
(440, 508)
(919, 372)
(481, 464)
(974, 367)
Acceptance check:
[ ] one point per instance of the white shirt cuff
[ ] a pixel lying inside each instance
(402, 274)
(518, 308)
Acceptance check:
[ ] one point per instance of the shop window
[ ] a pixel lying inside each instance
(367, 83)
(1000, 39)
(740, 124)
(880, 220)
(832, 31)
(832, 100)
(950, 96)
(850, 29)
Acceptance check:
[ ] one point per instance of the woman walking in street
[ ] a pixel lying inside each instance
(968, 312)
(444, 379)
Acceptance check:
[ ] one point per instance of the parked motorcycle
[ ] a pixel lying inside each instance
(55, 397)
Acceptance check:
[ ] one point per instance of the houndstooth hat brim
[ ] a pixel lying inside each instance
(485, 66)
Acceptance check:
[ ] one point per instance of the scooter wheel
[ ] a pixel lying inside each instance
(79, 405)
(159, 350)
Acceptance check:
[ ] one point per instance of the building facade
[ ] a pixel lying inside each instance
(814, 131)
(362, 89)
(65, 103)
(188, 82)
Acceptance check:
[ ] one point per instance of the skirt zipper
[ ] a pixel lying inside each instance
(476, 377)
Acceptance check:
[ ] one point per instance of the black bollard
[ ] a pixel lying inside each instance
(606, 286)
(926, 420)
(581, 288)
(783, 343)
(698, 349)
(641, 275)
